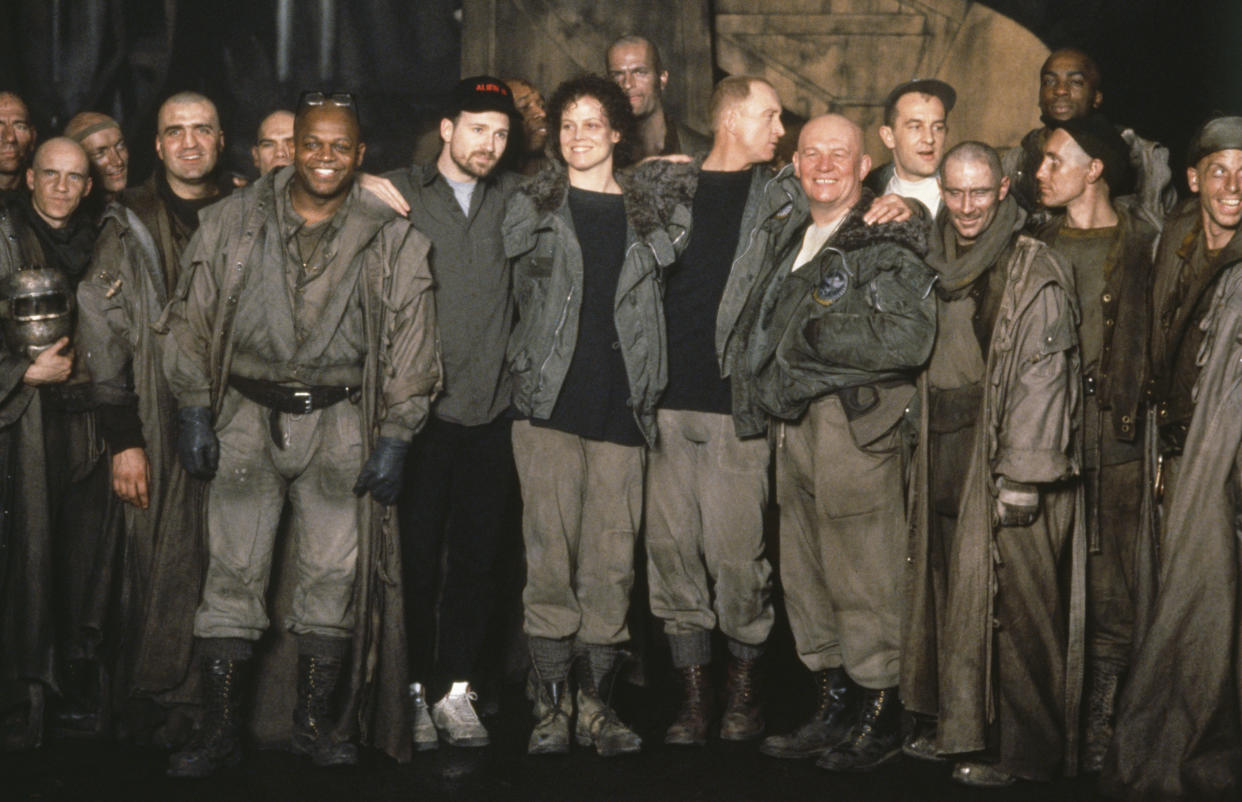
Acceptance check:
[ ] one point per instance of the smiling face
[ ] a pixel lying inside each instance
(972, 194)
(831, 165)
(109, 157)
(916, 136)
(631, 65)
(58, 180)
(188, 141)
(327, 151)
(274, 147)
(530, 104)
(587, 137)
(1069, 86)
(1217, 179)
(473, 144)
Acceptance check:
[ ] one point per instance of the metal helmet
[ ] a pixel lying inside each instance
(36, 309)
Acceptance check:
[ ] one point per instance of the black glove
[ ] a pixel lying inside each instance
(382, 473)
(1017, 504)
(197, 446)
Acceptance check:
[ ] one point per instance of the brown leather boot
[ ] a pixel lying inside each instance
(743, 715)
(690, 726)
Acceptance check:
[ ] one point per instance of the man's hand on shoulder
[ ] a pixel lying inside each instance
(384, 189)
(52, 366)
(890, 209)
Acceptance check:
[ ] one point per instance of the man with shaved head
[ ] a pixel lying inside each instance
(319, 299)
(1110, 247)
(17, 138)
(142, 233)
(633, 63)
(1071, 86)
(56, 494)
(844, 327)
(994, 651)
(273, 147)
(101, 137)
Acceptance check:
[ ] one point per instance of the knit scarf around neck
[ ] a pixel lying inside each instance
(958, 271)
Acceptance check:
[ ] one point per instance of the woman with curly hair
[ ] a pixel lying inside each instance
(589, 363)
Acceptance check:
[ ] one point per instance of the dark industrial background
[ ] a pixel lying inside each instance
(1167, 64)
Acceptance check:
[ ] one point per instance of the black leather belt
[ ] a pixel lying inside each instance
(289, 399)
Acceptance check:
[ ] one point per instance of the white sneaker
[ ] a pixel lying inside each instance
(424, 729)
(455, 718)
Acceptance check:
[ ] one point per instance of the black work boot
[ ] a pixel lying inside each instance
(217, 744)
(598, 724)
(1105, 680)
(836, 708)
(312, 713)
(874, 740)
(695, 713)
(743, 715)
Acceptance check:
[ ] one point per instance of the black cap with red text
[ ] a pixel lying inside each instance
(481, 93)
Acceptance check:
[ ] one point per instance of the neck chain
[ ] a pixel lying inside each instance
(323, 232)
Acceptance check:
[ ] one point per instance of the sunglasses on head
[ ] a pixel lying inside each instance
(315, 97)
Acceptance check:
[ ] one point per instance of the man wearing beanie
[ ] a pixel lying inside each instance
(1085, 167)
(460, 471)
(1179, 719)
(1070, 87)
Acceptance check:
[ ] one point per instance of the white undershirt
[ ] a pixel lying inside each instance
(926, 191)
(814, 239)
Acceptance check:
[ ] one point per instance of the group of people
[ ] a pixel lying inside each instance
(998, 390)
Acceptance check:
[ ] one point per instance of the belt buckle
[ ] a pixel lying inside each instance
(304, 396)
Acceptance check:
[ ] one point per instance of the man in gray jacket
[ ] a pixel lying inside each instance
(460, 471)
(303, 356)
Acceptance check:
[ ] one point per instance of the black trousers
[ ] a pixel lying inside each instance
(452, 515)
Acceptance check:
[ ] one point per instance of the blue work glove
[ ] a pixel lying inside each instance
(197, 446)
(382, 473)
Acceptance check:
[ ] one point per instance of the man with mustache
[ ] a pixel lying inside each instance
(460, 471)
(633, 63)
(916, 123)
(988, 648)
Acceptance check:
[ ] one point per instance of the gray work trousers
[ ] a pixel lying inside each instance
(581, 509)
(316, 472)
(843, 544)
(706, 492)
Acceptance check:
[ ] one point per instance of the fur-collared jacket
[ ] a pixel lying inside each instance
(548, 274)
(858, 319)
